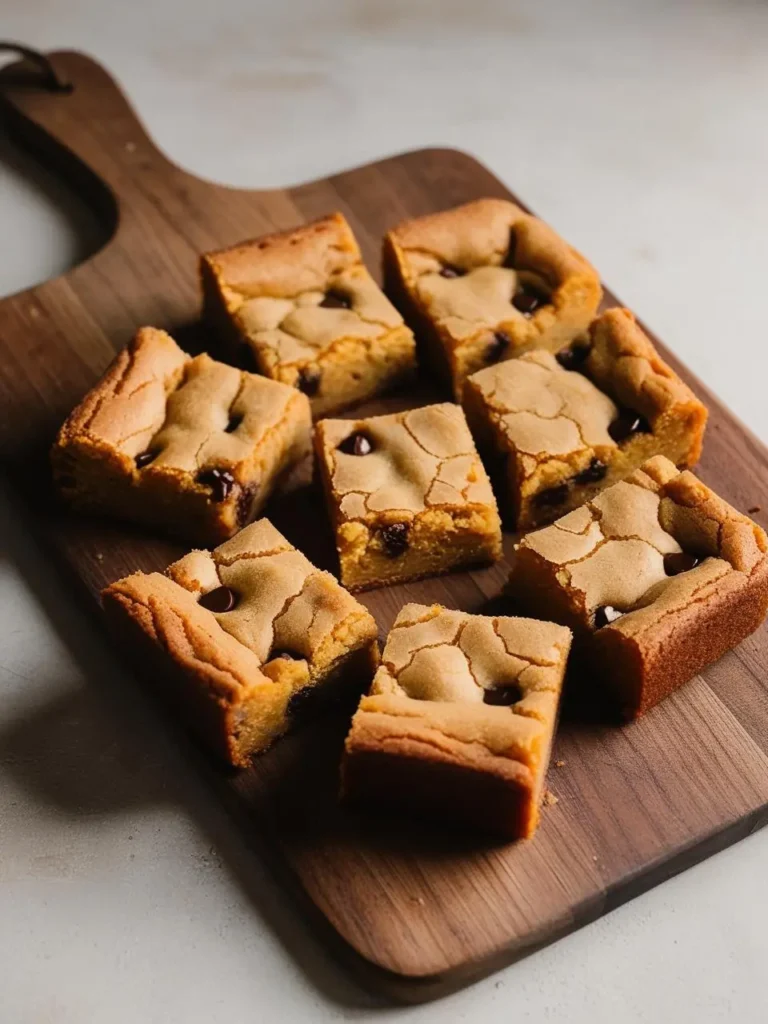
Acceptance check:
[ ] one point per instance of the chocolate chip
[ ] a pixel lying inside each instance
(144, 459)
(627, 423)
(552, 497)
(356, 444)
(680, 561)
(606, 615)
(595, 471)
(234, 422)
(394, 538)
(220, 600)
(572, 357)
(336, 300)
(497, 348)
(220, 481)
(309, 380)
(450, 271)
(503, 696)
(527, 301)
(285, 653)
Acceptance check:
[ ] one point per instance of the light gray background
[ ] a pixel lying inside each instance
(639, 131)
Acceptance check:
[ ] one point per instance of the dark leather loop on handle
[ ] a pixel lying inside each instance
(47, 77)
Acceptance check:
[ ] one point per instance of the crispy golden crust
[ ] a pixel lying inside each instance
(189, 418)
(285, 263)
(624, 362)
(436, 716)
(193, 637)
(130, 399)
(491, 249)
(235, 672)
(620, 551)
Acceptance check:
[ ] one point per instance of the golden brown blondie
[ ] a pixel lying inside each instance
(304, 310)
(657, 576)
(193, 446)
(556, 430)
(245, 637)
(408, 495)
(485, 282)
(460, 719)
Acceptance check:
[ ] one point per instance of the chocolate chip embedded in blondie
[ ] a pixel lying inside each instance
(245, 638)
(484, 282)
(460, 718)
(189, 445)
(303, 308)
(408, 496)
(656, 576)
(555, 430)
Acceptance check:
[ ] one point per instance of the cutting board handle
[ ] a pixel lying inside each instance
(85, 131)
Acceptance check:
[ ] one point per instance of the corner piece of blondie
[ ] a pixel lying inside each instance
(408, 496)
(192, 446)
(556, 430)
(244, 639)
(460, 719)
(301, 308)
(485, 282)
(657, 576)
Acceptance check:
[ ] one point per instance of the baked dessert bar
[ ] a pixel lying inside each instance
(484, 282)
(460, 718)
(555, 430)
(408, 495)
(657, 576)
(303, 309)
(189, 445)
(244, 638)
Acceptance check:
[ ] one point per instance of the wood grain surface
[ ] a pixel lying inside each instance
(415, 912)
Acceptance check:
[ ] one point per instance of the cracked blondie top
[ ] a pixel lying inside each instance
(190, 445)
(437, 654)
(558, 429)
(408, 495)
(662, 573)
(247, 628)
(469, 692)
(486, 281)
(304, 309)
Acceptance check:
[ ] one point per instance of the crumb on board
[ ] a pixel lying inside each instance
(755, 508)
(549, 798)
(99, 556)
(560, 763)
(420, 900)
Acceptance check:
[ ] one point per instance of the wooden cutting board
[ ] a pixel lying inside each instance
(416, 912)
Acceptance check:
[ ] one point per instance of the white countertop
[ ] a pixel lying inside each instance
(639, 131)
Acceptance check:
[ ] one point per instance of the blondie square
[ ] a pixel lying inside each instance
(244, 638)
(408, 496)
(555, 430)
(302, 309)
(656, 576)
(192, 446)
(485, 282)
(459, 721)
